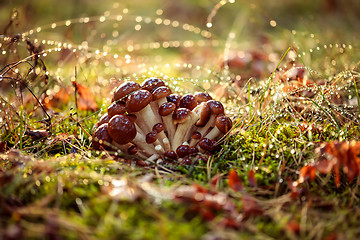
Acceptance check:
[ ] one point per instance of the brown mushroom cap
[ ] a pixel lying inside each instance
(151, 137)
(206, 144)
(188, 101)
(205, 113)
(159, 127)
(202, 97)
(183, 151)
(196, 135)
(121, 129)
(100, 137)
(125, 89)
(104, 119)
(223, 123)
(152, 83)
(216, 107)
(133, 150)
(116, 108)
(166, 108)
(161, 92)
(174, 98)
(170, 154)
(138, 100)
(180, 115)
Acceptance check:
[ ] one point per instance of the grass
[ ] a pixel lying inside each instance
(56, 185)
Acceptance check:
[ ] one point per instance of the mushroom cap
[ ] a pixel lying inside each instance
(180, 115)
(166, 108)
(170, 154)
(138, 100)
(206, 144)
(152, 83)
(174, 98)
(104, 119)
(121, 129)
(116, 108)
(223, 123)
(100, 136)
(202, 97)
(151, 137)
(159, 127)
(161, 92)
(196, 135)
(133, 150)
(188, 101)
(216, 107)
(183, 151)
(205, 112)
(125, 89)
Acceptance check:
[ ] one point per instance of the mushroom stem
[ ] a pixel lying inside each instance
(183, 130)
(214, 133)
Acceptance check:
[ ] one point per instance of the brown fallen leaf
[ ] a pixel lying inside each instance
(85, 98)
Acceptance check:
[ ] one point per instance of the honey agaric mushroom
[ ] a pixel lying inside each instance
(174, 98)
(104, 119)
(185, 119)
(152, 83)
(116, 108)
(223, 124)
(122, 130)
(138, 103)
(124, 90)
(165, 111)
(216, 109)
(101, 138)
(158, 98)
(202, 97)
(188, 101)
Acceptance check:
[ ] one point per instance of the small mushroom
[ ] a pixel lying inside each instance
(101, 138)
(165, 111)
(122, 130)
(202, 97)
(216, 109)
(124, 90)
(116, 108)
(223, 124)
(138, 103)
(188, 101)
(174, 98)
(104, 119)
(185, 119)
(152, 83)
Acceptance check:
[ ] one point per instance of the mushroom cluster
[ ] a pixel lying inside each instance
(148, 120)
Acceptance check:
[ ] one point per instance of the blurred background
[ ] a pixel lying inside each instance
(199, 44)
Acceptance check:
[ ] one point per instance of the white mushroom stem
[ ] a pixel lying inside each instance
(214, 133)
(183, 130)
(155, 109)
(169, 126)
(165, 140)
(203, 130)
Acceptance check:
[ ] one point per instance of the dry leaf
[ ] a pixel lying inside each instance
(85, 98)
(234, 181)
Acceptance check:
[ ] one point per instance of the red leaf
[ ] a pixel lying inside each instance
(251, 178)
(234, 181)
(293, 226)
(85, 98)
(308, 172)
(250, 206)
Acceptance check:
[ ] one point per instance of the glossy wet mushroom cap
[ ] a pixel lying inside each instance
(205, 113)
(125, 89)
(152, 83)
(161, 92)
(104, 119)
(202, 97)
(167, 108)
(138, 100)
(174, 98)
(223, 123)
(121, 129)
(188, 101)
(183, 151)
(101, 138)
(116, 108)
(216, 107)
(206, 144)
(180, 115)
